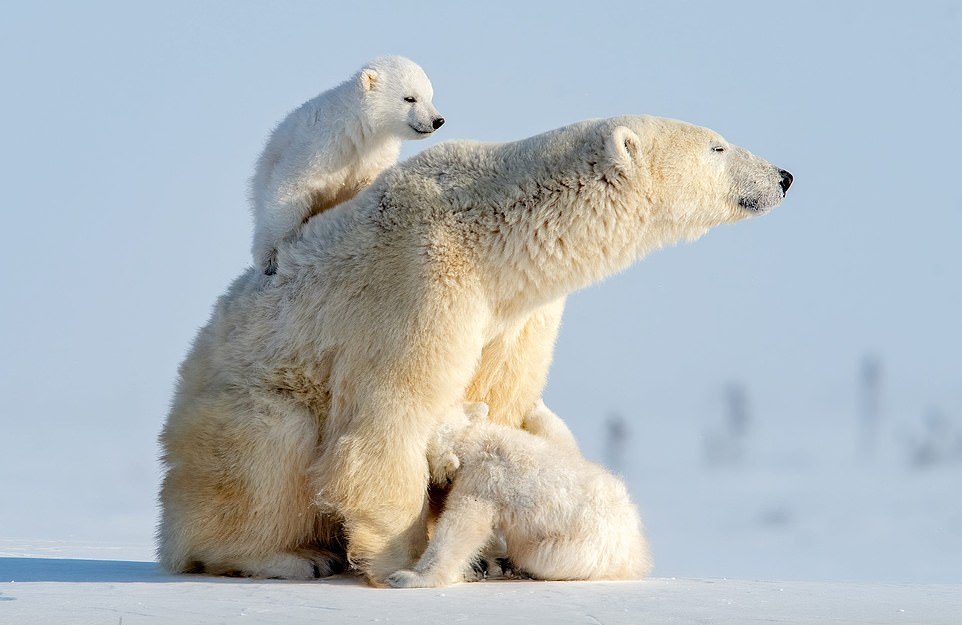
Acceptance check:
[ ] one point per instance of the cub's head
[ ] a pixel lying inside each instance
(397, 97)
(692, 176)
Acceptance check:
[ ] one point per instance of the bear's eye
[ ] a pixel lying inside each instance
(718, 148)
(410, 99)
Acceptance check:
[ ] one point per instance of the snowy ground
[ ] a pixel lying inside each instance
(795, 501)
(853, 540)
(55, 583)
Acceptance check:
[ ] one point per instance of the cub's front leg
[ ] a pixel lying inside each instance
(462, 531)
(443, 462)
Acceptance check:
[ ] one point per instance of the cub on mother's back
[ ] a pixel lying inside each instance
(334, 145)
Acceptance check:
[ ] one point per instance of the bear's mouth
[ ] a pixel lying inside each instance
(749, 203)
(419, 131)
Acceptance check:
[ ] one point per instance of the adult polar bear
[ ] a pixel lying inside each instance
(304, 409)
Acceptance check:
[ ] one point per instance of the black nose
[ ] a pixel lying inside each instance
(438, 122)
(786, 179)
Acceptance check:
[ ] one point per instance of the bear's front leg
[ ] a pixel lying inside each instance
(377, 484)
(388, 398)
(514, 365)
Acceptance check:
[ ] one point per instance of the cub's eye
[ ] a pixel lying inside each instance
(718, 148)
(410, 99)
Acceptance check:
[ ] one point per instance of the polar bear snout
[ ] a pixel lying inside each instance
(426, 126)
(757, 186)
(786, 182)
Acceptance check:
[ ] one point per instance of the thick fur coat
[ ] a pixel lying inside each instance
(303, 411)
(559, 516)
(334, 145)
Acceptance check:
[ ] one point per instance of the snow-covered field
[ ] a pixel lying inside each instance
(838, 531)
(800, 502)
(56, 583)
(866, 541)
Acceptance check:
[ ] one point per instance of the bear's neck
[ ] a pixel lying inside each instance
(556, 238)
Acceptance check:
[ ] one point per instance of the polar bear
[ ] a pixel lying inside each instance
(298, 431)
(560, 517)
(334, 145)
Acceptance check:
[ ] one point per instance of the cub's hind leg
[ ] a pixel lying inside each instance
(541, 421)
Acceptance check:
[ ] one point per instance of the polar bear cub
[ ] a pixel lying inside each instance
(334, 145)
(560, 516)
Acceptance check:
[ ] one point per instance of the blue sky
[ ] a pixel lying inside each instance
(129, 133)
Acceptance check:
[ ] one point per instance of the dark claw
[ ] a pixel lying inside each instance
(480, 566)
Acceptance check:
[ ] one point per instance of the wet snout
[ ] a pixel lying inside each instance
(438, 121)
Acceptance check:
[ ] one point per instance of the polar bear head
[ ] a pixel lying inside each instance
(693, 171)
(560, 210)
(396, 96)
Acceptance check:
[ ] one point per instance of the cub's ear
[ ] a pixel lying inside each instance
(623, 147)
(367, 78)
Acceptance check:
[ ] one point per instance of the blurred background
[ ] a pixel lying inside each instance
(783, 397)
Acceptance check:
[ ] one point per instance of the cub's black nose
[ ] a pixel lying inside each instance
(438, 122)
(786, 179)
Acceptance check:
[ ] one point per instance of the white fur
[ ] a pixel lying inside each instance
(560, 516)
(334, 145)
(304, 409)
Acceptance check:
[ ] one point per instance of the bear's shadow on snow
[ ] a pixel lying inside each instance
(113, 571)
(72, 570)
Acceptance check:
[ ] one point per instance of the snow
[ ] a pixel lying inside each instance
(59, 583)
(854, 537)
(854, 540)
(806, 520)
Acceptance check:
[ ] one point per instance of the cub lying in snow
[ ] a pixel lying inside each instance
(560, 516)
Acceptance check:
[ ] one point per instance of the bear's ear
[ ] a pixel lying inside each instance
(623, 147)
(368, 78)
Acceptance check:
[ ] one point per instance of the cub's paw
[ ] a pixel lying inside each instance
(479, 569)
(444, 467)
(408, 579)
(450, 463)
(476, 410)
(509, 571)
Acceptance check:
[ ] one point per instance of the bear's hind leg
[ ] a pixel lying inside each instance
(236, 498)
(541, 421)
(302, 564)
